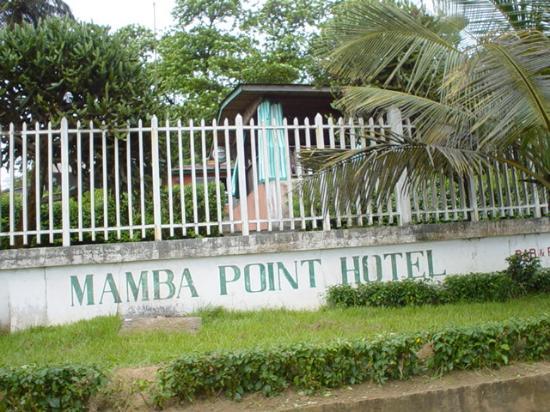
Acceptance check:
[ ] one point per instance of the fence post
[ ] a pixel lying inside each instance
(403, 199)
(65, 194)
(241, 168)
(536, 199)
(156, 178)
(320, 140)
(474, 216)
(11, 183)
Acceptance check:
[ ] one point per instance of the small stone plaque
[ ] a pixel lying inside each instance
(170, 324)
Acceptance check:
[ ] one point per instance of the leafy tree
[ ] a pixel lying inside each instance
(198, 67)
(141, 39)
(14, 12)
(286, 30)
(207, 13)
(220, 43)
(201, 59)
(396, 74)
(62, 68)
(483, 101)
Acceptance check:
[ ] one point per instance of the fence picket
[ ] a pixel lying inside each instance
(79, 181)
(24, 197)
(50, 181)
(129, 183)
(37, 187)
(181, 181)
(205, 177)
(11, 171)
(92, 181)
(217, 175)
(105, 184)
(169, 179)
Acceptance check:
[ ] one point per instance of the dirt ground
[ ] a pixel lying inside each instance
(125, 392)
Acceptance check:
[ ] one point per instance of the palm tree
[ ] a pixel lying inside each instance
(480, 103)
(14, 12)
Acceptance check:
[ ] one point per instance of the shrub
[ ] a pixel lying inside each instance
(390, 294)
(479, 287)
(303, 366)
(540, 282)
(522, 267)
(31, 388)
(490, 345)
(312, 367)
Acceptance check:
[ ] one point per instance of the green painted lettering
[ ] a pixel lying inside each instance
(356, 270)
(378, 263)
(133, 290)
(393, 258)
(429, 257)
(262, 278)
(112, 289)
(169, 282)
(223, 277)
(292, 281)
(271, 276)
(311, 270)
(186, 275)
(87, 289)
(413, 264)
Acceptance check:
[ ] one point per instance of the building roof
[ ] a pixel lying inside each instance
(295, 99)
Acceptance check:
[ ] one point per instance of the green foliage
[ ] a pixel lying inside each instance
(14, 12)
(522, 267)
(480, 287)
(397, 73)
(289, 29)
(471, 80)
(218, 44)
(140, 38)
(311, 367)
(78, 70)
(303, 366)
(64, 388)
(540, 283)
(491, 345)
(390, 294)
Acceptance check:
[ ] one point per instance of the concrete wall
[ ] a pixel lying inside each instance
(51, 286)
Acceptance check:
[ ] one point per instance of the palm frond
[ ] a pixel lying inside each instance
(370, 36)
(498, 16)
(371, 173)
(436, 122)
(506, 87)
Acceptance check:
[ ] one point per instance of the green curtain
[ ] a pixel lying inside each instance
(269, 114)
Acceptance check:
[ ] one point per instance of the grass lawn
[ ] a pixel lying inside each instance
(97, 341)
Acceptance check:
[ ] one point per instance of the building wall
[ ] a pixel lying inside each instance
(52, 286)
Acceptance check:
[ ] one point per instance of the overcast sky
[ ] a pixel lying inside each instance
(118, 13)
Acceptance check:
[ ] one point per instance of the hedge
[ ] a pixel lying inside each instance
(302, 366)
(523, 276)
(32, 388)
(388, 294)
(310, 367)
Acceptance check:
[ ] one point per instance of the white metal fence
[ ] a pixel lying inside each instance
(84, 183)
